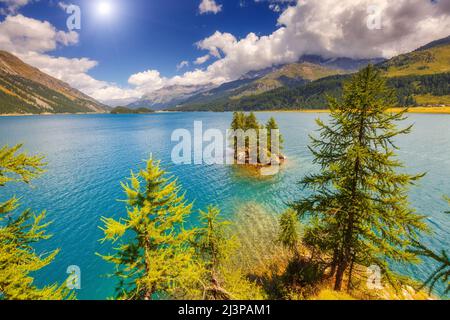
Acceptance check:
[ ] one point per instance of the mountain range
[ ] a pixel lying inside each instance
(25, 89)
(421, 77)
(307, 69)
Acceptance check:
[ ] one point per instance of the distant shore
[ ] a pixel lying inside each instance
(46, 114)
(429, 110)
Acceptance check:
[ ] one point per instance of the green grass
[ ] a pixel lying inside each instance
(431, 61)
(430, 100)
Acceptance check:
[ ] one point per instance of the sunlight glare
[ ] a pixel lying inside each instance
(104, 8)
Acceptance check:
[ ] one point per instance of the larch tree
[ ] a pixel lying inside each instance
(358, 204)
(19, 231)
(251, 122)
(214, 246)
(154, 256)
(289, 230)
(270, 126)
(238, 121)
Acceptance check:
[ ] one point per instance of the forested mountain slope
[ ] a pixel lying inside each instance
(25, 89)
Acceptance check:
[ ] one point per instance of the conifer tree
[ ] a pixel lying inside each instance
(358, 204)
(238, 121)
(18, 233)
(289, 225)
(244, 122)
(154, 256)
(213, 249)
(273, 125)
(251, 123)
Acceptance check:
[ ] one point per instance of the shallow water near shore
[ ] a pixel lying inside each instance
(88, 156)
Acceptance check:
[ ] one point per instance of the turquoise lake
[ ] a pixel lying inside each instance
(88, 156)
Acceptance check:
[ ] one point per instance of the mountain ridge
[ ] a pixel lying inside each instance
(162, 99)
(26, 89)
(420, 78)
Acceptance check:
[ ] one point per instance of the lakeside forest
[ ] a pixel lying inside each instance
(356, 215)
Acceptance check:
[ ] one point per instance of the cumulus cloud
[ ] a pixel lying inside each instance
(329, 29)
(202, 59)
(209, 6)
(182, 64)
(21, 34)
(151, 79)
(11, 6)
(31, 40)
(326, 27)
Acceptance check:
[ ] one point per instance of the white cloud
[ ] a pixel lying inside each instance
(182, 64)
(31, 40)
(202, 59)
(11, 6)
(22, 34)
(329, 29)
(150, 79)
(275, 7)
(321, 27)
(63, 6)
(209, 6)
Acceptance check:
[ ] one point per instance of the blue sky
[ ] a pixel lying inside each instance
(134, 50)
(149, 34)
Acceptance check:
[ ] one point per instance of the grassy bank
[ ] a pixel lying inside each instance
(278, 274)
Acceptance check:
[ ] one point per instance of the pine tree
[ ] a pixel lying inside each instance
(19, 231)
(154, 257)
(251, 123)
(244, 122)
(359, 204)
(238, 121)
(213, 249)
(289, 226)
(273, 125)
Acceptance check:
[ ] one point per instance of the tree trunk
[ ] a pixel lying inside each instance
(350, 273)
(339, 276)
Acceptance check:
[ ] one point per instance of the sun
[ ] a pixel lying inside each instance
(104, 8)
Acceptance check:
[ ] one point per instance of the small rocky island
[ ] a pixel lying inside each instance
(125, 110)
(257, 146)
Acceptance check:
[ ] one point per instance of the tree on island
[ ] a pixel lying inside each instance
(273, 125)
(18, 233)
(358, 206)
(154, 256)
(251, 123)
(244, 124)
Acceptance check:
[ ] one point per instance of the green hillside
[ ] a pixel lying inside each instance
(228, 97)
(420, 78)
(423, 62)
(25, 89)
(20, 95)
(287, 76)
